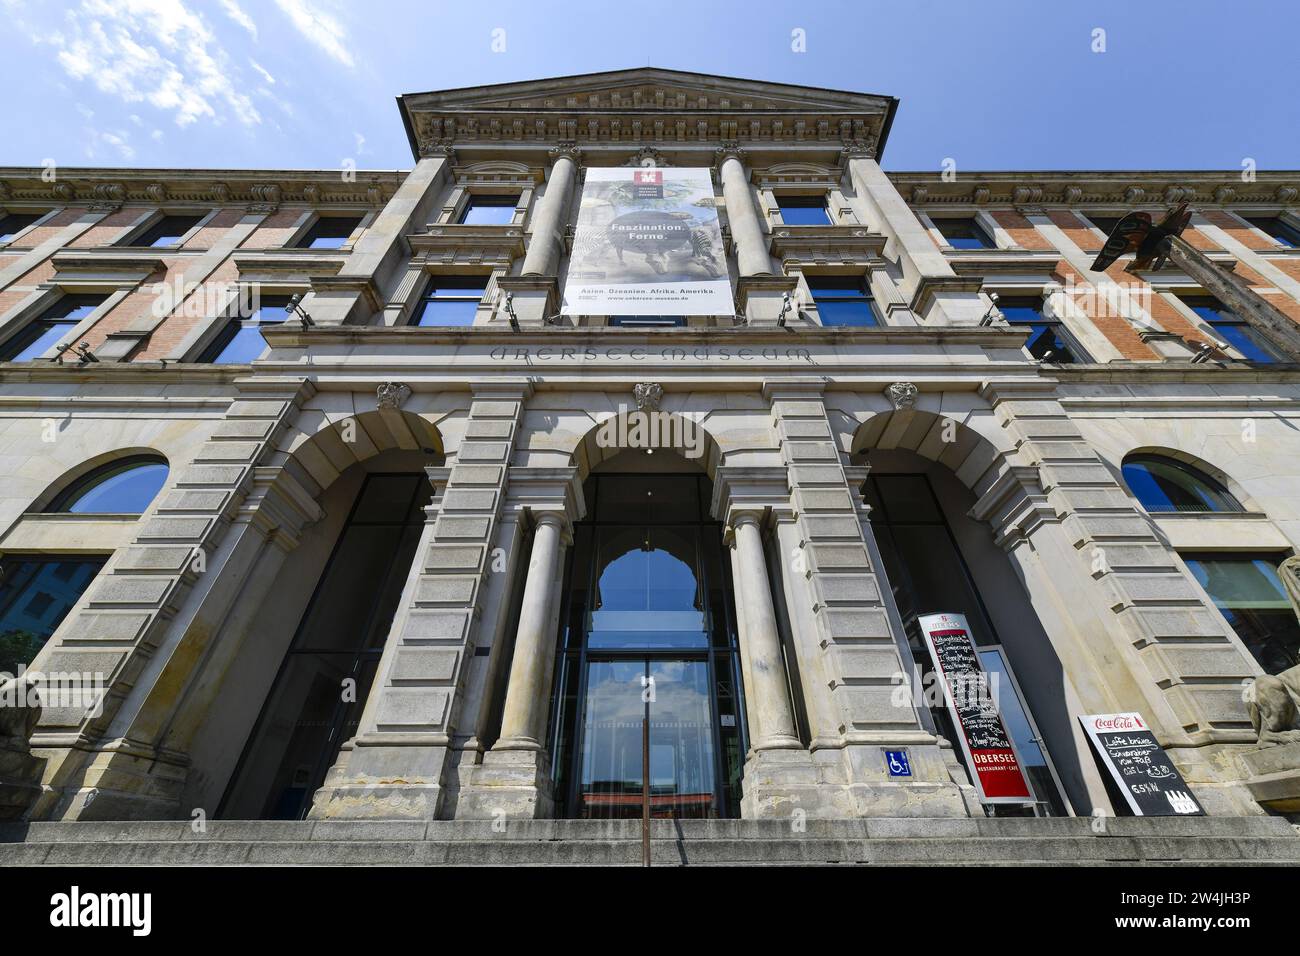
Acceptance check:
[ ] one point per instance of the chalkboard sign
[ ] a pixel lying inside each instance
(990, 754)
(1151, 783)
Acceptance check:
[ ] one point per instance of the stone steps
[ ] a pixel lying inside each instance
(876, 841)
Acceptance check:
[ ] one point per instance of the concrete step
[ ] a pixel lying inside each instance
(876, 841)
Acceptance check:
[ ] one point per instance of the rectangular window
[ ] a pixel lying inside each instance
(1230, 327)
(450, 300)
(240, 341)
(842, 300)
(483, 210)
(36, 594)
(647, 321)
(1048, 341)
(329, 232)
(964, 234)
(1247, 590)
(1278, 228)
(804, 210)
(42, 334)
(167, 231)
(16, 222)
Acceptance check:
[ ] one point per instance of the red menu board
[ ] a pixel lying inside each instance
(990, 754)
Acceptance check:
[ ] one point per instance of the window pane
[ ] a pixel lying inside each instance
(489, 210)
(1209, 308)
(1021, 308)
(804, 212)
(964, 234)
(168, 231)
(1045, 343)
(35, 597)
(846, 313)
(446, 312)
(1162, 484)
(244, 345)
(35, 340)
(1280, 230)
(1246, 588)
(329, 232)
(836, 287)
(15, 223)
(119, 489)
(1245, 340)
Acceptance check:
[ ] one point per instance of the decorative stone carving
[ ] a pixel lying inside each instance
(219, 192)
(1073, 194)
(108, 196)
(1179, 193)
(647, 156)
(1272, 702)
(1286, 193)
(919, 194)
(1024, 195)
(20, 772)
(4, 191)
(374, 194)
(392, 394)
(902, 395)
(266, 197)
(1224, 194)
(1134, 194)
(982, 195)
(311, 192)
(157, 192)
(648, 396)
(63, 192)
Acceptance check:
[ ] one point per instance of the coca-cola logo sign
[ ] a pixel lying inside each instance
(1119, 722)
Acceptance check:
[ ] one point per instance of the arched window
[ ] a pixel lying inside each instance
(123, 487)
(1163, 484)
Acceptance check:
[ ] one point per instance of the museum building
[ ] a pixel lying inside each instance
(463, 492)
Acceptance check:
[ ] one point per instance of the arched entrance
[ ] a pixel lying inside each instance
(333, 601)
(647, 642)
(923, 473)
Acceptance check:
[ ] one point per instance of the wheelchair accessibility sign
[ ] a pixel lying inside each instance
(896, 761)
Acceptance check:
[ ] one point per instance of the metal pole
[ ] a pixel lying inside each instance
(645, 787)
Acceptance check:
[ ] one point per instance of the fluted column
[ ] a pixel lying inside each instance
(525, 707)
(543, 258)
(771, 718)
(746, 232)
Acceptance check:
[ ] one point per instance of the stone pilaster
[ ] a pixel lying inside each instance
(401, 764)
(146, 624)
(856, 652)
(742, 216)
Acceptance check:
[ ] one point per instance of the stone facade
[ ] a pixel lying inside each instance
(1102, 612)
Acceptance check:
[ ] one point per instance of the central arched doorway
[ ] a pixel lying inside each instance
(647, 643)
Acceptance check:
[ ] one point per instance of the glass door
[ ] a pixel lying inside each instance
(673, 697)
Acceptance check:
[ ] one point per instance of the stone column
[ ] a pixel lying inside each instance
(772, 722)
(746, 232)
(525, 709)
(543, 258)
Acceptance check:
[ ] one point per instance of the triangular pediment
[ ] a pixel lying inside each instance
(644, 106)
(647, 88)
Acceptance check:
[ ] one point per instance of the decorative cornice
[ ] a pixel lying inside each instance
(106, 190)
(1098, 189)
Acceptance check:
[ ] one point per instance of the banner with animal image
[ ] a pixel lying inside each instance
(648, 242)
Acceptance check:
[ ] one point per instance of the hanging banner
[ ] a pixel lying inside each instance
(983, 736)
(1151, 783)
(647, 242)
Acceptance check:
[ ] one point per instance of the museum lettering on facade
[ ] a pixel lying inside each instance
(342, 489)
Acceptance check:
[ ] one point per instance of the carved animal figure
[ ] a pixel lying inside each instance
(1274, 707)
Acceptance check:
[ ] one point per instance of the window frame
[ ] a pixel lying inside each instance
(973, 220)
(1078, 354)
(24, 557)
(40, 316)
(92, 478)
(820, 201)
(1233, 504)
(1201, 299)
(433, 281)
(848, 282)
(1290, 238)
(41, 217)
(231, 325)
(134, 236)
(313, 222)
(474, 198)
(1273, 557)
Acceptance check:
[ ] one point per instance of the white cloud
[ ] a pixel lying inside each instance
(270, 80)
(236, 13)
(154, 51)
(318, 26)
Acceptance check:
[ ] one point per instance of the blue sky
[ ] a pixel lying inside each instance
(998, 84)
